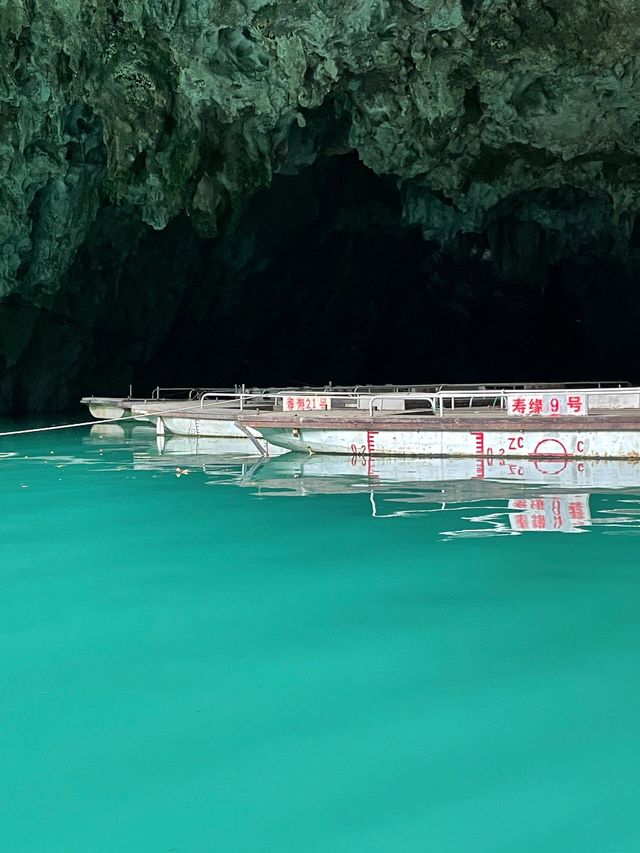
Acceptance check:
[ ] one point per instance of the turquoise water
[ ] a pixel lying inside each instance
(285, 657)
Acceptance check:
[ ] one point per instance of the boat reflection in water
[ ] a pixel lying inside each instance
(487, 497)
(546, 495)
(211, 455)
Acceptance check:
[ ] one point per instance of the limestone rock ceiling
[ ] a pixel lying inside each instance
(508, 130)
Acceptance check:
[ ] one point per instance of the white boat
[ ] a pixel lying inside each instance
(162, 399)
(219, 415)
(215, 446)
(597, 421)
(586, 423)
(105, 408)
(185, 400)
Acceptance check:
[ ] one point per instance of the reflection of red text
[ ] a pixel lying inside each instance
(576, 511)
(561, 513)
(556, 509)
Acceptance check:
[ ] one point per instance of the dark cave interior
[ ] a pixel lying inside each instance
(319, 279)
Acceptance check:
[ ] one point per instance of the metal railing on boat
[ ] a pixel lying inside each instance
(436, 398)
(189, 393)
(193, 392)
(242, 398)
(609, 395)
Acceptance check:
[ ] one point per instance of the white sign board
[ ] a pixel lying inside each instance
(306, 403)
(520, 404)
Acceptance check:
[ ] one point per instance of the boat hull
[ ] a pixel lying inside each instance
(106, 411)
(205, 427)
(230, 438)
(513, 443)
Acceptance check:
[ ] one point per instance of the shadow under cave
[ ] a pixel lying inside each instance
(320, 279)
(323, 281)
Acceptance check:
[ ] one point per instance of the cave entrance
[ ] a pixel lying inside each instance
(321, 280)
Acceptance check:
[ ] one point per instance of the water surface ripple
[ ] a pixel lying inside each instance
(226, 655)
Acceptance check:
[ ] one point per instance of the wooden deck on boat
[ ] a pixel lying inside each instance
(452, 420)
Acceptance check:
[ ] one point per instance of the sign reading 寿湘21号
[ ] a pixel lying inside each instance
(306, 402)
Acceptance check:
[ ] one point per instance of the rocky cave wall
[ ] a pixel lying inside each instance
(202, 191)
